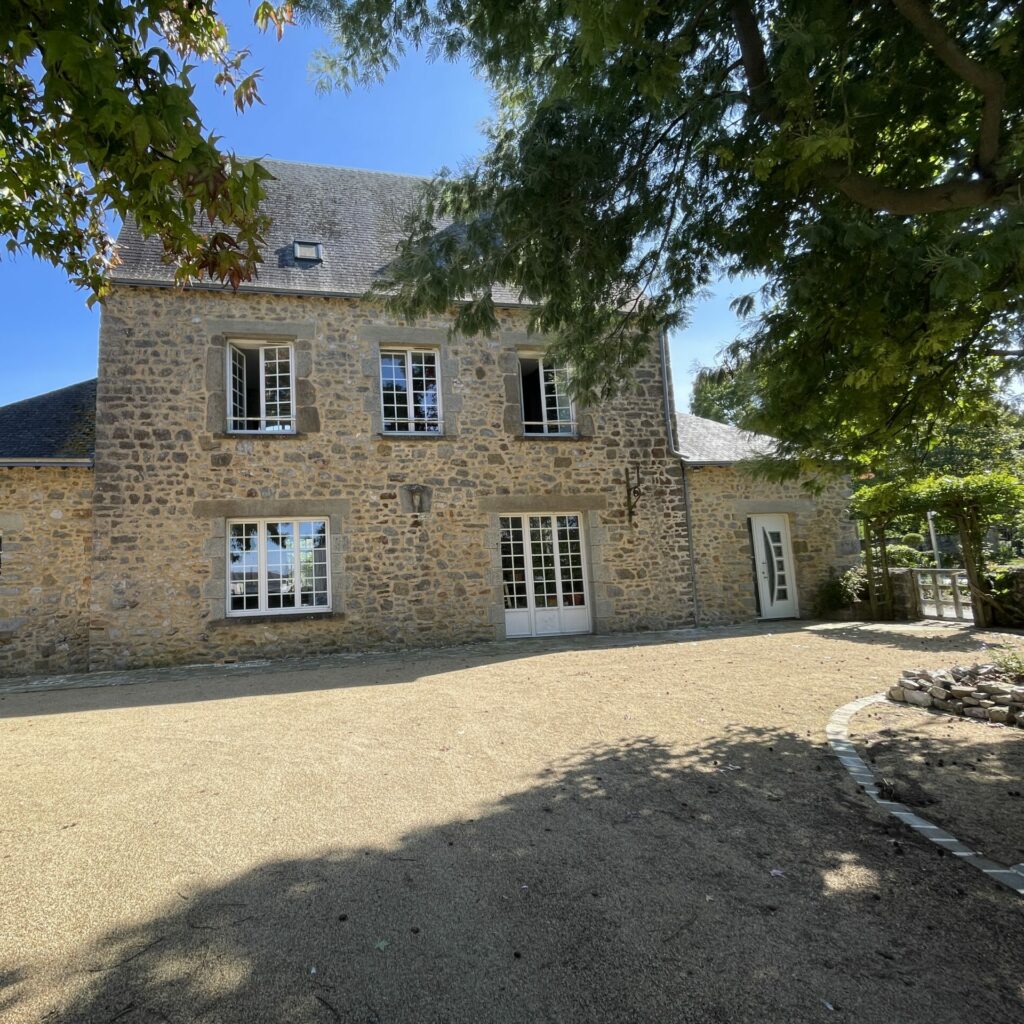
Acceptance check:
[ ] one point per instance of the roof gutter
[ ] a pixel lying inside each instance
(673, 447)
(39, 463)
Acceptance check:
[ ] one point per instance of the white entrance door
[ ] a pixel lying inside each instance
(773, 556)
(544, 577)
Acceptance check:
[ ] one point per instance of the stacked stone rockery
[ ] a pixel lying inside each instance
(981, 691)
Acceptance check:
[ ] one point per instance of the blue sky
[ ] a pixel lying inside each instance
(423, 117)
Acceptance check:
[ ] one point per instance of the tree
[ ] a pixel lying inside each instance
(971, 504)
(866, 159)
(729, 394)
(97, 118)
(990, 438)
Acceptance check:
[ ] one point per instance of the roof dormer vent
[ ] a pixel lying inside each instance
(308, 251)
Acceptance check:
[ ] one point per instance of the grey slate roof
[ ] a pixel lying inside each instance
(355, 215)
(58, 425)
(704, 440)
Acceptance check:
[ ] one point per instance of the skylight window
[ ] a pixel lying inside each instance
(308, 251)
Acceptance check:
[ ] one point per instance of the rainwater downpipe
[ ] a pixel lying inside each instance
(671, 434)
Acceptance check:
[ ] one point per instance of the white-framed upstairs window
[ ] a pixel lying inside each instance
(547, 405)
(278, 566)
(410, 391)
(261, 393)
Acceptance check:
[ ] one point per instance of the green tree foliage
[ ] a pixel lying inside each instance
(970, 504)
(985, 437)
(865, 159)
(991, 440)
(97, 119)
(728, 394)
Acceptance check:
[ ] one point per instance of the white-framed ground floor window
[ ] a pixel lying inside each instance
(544, 575)
(278, 566)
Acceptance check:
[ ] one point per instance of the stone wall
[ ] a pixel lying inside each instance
(167, 476)
(984, 692)
(722, 500)
(906, 601)
(46, 533)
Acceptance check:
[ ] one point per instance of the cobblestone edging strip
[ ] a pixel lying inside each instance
(839, 740)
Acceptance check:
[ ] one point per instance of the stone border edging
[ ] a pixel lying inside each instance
(839, 740)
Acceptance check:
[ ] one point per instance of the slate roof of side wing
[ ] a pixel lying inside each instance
(708, 441)
(58, 425)
(355, 215)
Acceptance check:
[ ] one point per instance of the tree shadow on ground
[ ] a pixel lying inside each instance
(743, 880)
(197, 683)
(963, 775)
(924, 635)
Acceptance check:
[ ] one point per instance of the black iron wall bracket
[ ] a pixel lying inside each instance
(633, 490)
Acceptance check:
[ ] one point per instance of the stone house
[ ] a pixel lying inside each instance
(760, 549)
(288, 469)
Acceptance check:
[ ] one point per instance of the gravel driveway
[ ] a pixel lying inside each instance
(596, 830)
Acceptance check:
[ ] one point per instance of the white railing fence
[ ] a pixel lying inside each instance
(944, 594)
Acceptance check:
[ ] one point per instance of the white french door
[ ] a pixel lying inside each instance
(773, 556)
(544, 575)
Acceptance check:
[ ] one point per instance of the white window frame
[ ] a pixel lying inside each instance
(548, 427)
(435, 424)
(244, 344)
(263, 591)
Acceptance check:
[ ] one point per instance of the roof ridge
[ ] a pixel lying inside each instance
(339, 167)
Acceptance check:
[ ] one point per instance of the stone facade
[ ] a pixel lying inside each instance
(125, 564)
(45, 565)
(168, 476)
(722, 498)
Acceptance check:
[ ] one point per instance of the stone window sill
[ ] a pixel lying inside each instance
(551, 437)
(411, 435)
(267, 435)
(244, 620)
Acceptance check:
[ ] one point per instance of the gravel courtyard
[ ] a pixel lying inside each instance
(609, 829)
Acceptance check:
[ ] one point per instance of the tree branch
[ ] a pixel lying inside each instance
(755, 63)
(984, 80)
(959, 194)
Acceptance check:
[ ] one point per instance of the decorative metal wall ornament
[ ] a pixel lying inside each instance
(633, 490)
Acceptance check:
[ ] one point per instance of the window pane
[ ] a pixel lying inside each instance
(513, 562)
(557, 405)
(542, 552)
(313, 564)
(280, 565)
(394, 389)
(570, 558)
(426, 407)
(243, 560)
(277, 388)
(239, 394)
